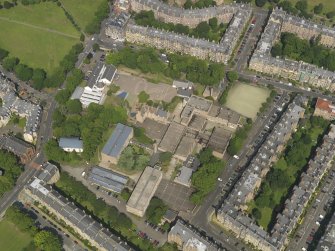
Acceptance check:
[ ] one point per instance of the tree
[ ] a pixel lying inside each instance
(74, 106)
(232, 76)
(95, 47)
(38, 78)
(213, 23)
(302, 5)
(10, 63)
(330, 14)
(23, 72)
(318, 8)
(47, 241)
(256, 213)
(156, 210)
(202, 30)
(7, 5)
(143, 97)
(260, 3)
(3, 54)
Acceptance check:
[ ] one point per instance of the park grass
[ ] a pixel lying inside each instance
(246, 99)
(82, 10)
(11, 238)
(47, 15)
(39, 35)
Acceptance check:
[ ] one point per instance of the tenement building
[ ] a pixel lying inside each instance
(12, 104)
(39, 193)
(279, 22)
(236, 15)
(232, 213)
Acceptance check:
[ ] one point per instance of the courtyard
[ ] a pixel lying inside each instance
(246, 99)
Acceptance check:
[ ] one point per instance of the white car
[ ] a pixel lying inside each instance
(236, 157)
(219, 179)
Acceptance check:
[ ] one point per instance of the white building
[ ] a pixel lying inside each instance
(95, 92)
(71, 144)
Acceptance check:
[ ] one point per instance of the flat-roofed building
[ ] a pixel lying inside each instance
(20, 148)
(144, 191)
(71, 144)
(219, 141)
(107, 179)
(324, 108)
(119, 140)
(172, 138)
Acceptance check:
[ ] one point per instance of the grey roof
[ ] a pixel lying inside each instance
(70, 143)
(101, 71)
(48, 171)
(77, 93)
(117, 140)
(15, 145)
(191, 238)
(184, 176)
(107, 179)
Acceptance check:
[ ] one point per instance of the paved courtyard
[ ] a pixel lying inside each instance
(134, 85)
(175, 195)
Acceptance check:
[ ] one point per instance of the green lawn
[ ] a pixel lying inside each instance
(82, 10)
(47, 15)
(39, 35)
(11, 238)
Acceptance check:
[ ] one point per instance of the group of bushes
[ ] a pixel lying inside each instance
(205, 178)
(11, 169)
(210, 30)
(237, 142)
(43, 239)
(298, 49)
(199, 4)
(38, 76)
(101, 13)
(147, 60)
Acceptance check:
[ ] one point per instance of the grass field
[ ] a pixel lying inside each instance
(246, 99)
(82, 10)
(40, 35)
(11, 238)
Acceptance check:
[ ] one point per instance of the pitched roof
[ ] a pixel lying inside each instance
(117, 140)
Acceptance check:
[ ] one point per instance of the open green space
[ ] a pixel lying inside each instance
(11, 238)
(39, 35)
(285, 172)
(83, 11)
(47, 15)
(246, 99)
